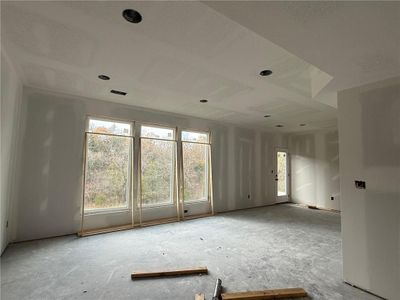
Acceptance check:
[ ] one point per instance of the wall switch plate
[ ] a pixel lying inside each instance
(360, 184)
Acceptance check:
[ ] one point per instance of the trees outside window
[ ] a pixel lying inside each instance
(109, 169)
(108, 165)
(195, 151)
(157, 165)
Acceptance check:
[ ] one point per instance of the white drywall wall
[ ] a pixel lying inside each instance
(314, 161)
(369, 147)
(11, 97)
(51, 175)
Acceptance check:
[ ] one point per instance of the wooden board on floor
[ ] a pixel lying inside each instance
(199, 297)
(180, 272)
(267, 294)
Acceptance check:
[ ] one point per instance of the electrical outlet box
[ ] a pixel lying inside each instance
(360, 184)
(332, 198)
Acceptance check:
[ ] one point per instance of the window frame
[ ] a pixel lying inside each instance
(208, 166)
(130, 190)
(134, 206)
(173, 186)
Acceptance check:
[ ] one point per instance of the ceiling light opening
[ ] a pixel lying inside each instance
(132, 16)
(265, 72)
(203, 101)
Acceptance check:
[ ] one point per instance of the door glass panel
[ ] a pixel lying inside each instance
(195, 169)
(157, 161)
(108, 169)
(281, 173)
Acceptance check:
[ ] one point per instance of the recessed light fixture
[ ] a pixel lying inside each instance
(104, 77)
(279, 125)
(267, 116)
(118, 92)
(265, 72)
(302, 125)
(203, 101)
(132, 16)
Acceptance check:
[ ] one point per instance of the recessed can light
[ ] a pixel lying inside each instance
(267, 116)
(279, 125)
(265, 72)
(203, 101)
(302, 125)
(104, 77)
(132, 16)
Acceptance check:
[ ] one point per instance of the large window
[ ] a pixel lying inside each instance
(157, 165)
(160, 176)
(108, 165)
(195, 156)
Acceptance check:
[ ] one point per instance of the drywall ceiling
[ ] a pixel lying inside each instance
(180, 53)
(356, 42)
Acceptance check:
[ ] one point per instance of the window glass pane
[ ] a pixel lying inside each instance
(109, 127)
(195, 169)
(282, 166)
(190, 136)
(108, 160)
(157, 159)
(157, 132)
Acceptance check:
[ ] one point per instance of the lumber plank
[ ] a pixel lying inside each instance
(180, 272)
(266, 294)
(199, 297)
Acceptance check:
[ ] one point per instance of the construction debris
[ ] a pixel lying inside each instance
(217, 290)
(199, 297)
(181, 272)
(267, 294)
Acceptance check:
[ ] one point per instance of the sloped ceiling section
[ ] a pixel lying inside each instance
(180, 53)
(355, 42)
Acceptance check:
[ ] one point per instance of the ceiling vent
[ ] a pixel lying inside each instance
(118, 92)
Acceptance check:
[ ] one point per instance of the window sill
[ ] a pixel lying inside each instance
(107, 211)
(144, 207)
(199, 201)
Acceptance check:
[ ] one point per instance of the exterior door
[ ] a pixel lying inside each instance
(282, 176)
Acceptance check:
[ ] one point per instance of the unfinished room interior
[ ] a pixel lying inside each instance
(200, 150)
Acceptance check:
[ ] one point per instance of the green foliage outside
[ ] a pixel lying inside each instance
(108, 165)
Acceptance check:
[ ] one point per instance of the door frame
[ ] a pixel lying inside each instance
(285, 198)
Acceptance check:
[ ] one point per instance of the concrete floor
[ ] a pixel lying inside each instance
(270, 247)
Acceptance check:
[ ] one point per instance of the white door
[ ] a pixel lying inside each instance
(282, 176)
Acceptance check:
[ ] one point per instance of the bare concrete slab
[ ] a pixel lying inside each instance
(271, 247)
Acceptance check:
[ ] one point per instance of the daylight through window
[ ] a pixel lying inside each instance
(195, 152)
(108, 165)
(157, 165)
